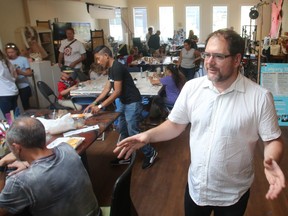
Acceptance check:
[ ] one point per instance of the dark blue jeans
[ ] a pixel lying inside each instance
(8, 103)
(188, 72)
(25, 94)
(129, 121)
(192, 209)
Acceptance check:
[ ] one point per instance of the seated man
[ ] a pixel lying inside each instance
(55, 183)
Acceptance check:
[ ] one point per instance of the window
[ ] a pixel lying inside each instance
(247, 23)
(193, 20)
(219, 17)
(115, 26)
(166, 21)
(140, 22)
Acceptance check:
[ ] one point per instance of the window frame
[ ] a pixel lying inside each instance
(163, 32)
(121, 39)
(142, 36)
(227, 9)
(197, 31)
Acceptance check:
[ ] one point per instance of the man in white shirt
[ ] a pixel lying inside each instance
(228, 113)
(72, 51)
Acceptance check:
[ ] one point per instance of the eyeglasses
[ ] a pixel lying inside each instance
(216, 56)
(10, 46)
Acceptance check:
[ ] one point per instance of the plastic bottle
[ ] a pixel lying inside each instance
(54, 114)
(141, 71)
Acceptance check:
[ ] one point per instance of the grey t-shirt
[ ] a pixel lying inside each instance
(55, 185)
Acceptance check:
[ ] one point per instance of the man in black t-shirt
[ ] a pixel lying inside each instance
(120, 80)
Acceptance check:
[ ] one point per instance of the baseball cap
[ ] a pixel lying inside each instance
(66, 69)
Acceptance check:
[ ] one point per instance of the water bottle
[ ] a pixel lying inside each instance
(141, 71)
(54, 114)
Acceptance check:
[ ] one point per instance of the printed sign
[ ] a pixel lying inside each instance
(274, 77)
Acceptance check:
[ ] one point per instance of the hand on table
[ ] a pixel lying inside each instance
(74, 87)
(92, 108)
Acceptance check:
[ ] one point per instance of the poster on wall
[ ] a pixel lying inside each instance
(274, 77)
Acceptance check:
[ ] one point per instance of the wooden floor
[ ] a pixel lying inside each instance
(159, 190)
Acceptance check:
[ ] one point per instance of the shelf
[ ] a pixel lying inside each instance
(97, 38)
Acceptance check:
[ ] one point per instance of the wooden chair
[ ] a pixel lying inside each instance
(121, 203)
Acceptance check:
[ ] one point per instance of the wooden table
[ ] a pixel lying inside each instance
(103, 119)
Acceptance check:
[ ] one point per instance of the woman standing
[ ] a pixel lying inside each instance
(173, 83)
(23, 70)
(194, 39)
(188, 58)
(9, 91)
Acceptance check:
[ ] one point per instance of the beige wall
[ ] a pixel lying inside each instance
(64, 11)
(11, 16)
(117, 3)
(12, 11)
(205, 13)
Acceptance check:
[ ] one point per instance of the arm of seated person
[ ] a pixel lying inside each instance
(7, 159)
(154, 81)
(67, 91)
(17, 166)
(11, 162)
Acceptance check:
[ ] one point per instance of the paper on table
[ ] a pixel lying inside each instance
(82, 130)
(73, 141)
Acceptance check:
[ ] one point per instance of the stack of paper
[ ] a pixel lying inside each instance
(82, 130)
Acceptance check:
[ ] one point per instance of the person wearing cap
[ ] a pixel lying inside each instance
(23, 70)
(65, 85)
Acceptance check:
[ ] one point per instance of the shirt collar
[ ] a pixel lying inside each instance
(237, 85)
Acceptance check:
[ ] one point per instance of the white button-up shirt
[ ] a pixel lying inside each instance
(225, 128)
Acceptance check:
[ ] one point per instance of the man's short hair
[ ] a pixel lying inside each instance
(27, 132)
(150, 29)
(103, 50)
(236, 43)
(70, 29)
